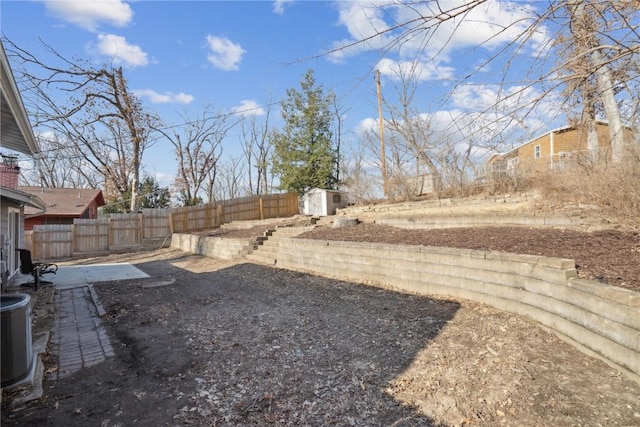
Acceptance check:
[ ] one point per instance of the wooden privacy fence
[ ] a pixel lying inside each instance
(213, 215)
(151, 227)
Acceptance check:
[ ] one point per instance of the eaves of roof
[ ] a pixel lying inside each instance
(22, 197)
(16, 133)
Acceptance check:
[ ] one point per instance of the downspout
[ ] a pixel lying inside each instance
(551, 149)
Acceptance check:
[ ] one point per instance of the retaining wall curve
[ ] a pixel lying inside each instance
(600, 319)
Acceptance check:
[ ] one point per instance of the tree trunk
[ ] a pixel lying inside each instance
(602, 71)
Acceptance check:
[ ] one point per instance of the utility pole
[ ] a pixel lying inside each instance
(382, 151)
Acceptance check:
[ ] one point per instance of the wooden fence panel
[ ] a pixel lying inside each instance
(195, 218)
(125, 229)
(241, 209)
(52, 241)
(90, 235)
(213, 215)
(155, 223)
(120, 231)
(280, 205)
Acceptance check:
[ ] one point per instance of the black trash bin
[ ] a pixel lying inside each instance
(15, 326)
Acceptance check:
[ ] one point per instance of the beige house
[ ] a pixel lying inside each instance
(552, 150)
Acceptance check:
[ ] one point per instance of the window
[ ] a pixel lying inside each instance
(336, 198)
(536, 151)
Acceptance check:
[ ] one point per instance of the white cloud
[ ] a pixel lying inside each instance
(489, 25)
(363, 20)
(90, 14)
(164, 179)
(224, 54)
(164, 98)
(367, 126)
(516, 100)
(120, 51)
(248, 107)
(278, 6)
(414, 69)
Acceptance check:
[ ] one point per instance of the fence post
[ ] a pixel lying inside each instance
(171, 226)
(35, 250)
(219, 214)
(140, 236)
(111, 233)
(261, 209)
(208, 217)
(73, 238)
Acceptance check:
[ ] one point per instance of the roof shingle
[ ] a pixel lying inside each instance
(63, 201)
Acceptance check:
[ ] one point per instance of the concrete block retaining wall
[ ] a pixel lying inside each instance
(495, 219)
(213, 247)
(468, 203)
(602, 319)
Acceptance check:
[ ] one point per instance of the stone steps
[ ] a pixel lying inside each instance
(266, 251)
(214, 247)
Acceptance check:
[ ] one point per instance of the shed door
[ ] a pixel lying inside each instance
(315, 204)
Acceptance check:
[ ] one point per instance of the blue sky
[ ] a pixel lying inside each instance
(239, 55)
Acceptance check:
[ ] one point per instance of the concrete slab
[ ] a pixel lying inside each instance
(80, 275)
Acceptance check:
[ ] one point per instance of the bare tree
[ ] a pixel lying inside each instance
(230, 183)
(59, 165)
(605, 51)
(339, 113)
(198, 146)
(357, 177)
(100, 114)
(248, 140)
(592, 63)
(410, 131)
(256, 146)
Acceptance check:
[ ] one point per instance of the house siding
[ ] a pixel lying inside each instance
(90, 212)
(8, 254)
(554, 146)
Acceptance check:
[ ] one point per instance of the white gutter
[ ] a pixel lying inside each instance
(22, 197)
(10, 92)
(551, 149)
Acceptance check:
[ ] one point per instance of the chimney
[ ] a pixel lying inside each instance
(9, 172)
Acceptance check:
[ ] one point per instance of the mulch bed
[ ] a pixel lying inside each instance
(609, 256)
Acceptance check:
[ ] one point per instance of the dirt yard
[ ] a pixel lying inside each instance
(232, 344)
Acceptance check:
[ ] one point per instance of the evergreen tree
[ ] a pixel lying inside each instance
(303, 156)
(150, 195)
